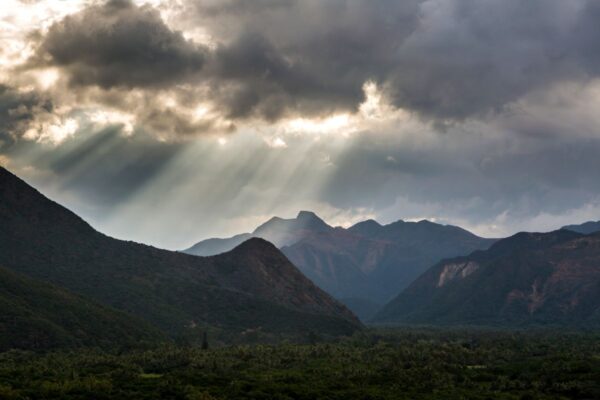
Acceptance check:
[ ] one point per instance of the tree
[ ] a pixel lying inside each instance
(204, 341)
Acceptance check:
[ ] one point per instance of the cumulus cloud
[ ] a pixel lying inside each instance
(310, 58)
(450, 59)
(253, 78)
(119, 44)
(444, 60)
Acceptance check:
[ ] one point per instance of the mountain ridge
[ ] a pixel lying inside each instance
(528, 279)
(585, 228)
(171, 290)
(367, 263)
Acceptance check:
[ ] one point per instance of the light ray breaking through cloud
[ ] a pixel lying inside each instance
(168, 121)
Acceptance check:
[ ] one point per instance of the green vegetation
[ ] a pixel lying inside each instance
(39, 316)
(250, 288)
(401, 364)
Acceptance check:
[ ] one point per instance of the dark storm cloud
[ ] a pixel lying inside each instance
(17, 111)
(449, 59)
(252, 77)
(470, 57)
(446, 60)
(250, 72)
(118, 44)
(308, 58)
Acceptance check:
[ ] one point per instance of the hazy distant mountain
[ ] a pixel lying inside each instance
(211, 247)
(37, 315)
(281, 232)
(527, 279)
(585, 228)
(364, 265)
(253, 286)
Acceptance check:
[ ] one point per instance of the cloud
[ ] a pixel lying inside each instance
(247, 74)
(278, 59)
(250, 77)
(119, 44)
(467, 58)
(446, 60)
(4, 161)
(336, 103)
(18, 111)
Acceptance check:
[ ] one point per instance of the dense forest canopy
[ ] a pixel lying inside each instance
(398, 364)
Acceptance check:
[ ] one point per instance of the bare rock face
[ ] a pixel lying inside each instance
(454, 271)
(252, 287)
(542, 279)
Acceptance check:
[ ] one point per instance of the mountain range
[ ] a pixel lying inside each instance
(63, 284)
(254, 287)
(529, 279)
(279, 231)
(363, 266)
(585, 228)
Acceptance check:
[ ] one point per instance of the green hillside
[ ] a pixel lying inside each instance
(254, 287)
(40, 316)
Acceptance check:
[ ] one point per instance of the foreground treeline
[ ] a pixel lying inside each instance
(370, 365)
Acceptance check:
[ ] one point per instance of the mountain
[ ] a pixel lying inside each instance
(279, 231)
(585, 228)
(211, 247)
(365, 265)
(252, 287)
(38, 316)
(529, 279)
(375, 262)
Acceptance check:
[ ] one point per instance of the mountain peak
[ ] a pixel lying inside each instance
(368, 227)
(283, 231)
(310, 219)
(256, 244)
(303, 214)
(368, 222)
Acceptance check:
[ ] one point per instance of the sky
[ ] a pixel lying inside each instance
(170, 121)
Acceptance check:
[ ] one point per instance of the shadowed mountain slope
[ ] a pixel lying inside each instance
(364, 265)
(39, 316)
(545, 279)
(254, 286)
(349, 264)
